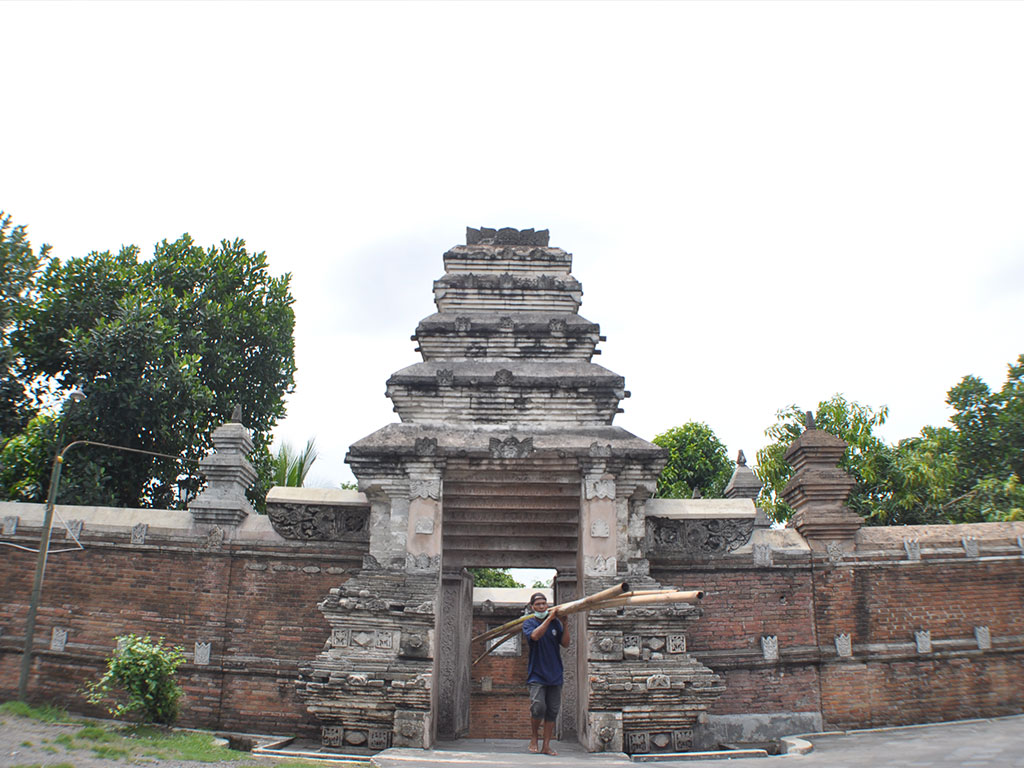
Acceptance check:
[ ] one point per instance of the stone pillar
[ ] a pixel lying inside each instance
(228, 476)
(744, 483)
(818, 490)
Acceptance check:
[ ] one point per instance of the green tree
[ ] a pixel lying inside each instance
(493, 577)
(140, 678)
(19, 264)
(164, 348)
(291, 467)
(697, 460)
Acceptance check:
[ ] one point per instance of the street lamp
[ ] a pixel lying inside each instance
(76, 396)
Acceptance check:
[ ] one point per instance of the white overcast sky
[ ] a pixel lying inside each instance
(767, 203)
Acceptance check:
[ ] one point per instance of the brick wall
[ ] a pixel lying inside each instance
(498, 705)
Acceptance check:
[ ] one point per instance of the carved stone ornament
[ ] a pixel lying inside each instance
(202, 653)
(73, 529)
(463, 323)
(425, 525)
(10, 525)
(912, 548)
(319, 522)
(682, 741)
(332, 736)
(762, 554)
(599, 529)
(599, 487)
(598, 565)
(423, 562)
(770, 647)
(676, 644)
(844, 646)
(58, 639)
(658, 681)
(445, 377)
(923, 640)
(971, 548)
(425, 446)
(340, 638)
(411, 729)
(507, 236)
(557, 325)
(425, 488)
(506, 323)
(598, 451)
(139, 532)
(215, 538)
(835, 552)
(698, 538)
(379, 739)
(503, 377)
(637, 742)
(983, 638)
(511, 448)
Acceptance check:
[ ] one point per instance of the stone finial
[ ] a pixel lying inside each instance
(744, 483)
(819, 488)
(228, 474)
(507, 236)
(809, 420)
(696, 493)
(236, 414)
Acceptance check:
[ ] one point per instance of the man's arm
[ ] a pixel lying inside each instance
(538, 633)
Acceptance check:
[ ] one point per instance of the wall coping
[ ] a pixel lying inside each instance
(677, 509)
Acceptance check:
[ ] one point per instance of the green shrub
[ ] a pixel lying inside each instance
(140, 680)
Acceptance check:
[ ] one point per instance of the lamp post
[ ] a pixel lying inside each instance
(76, 396)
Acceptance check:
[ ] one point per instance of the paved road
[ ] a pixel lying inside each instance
(997, 743)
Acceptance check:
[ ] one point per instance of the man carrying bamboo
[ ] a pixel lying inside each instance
(545, 635)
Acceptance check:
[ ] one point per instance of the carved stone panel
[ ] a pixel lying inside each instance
(379, 739)
(913, 549)
(139, 532)
(983, 637)
(511, 448)
(658, 681)
(698, 538)
(637, 742)
(74, 529)
(10, 525)
(202, 653)
(58, 639)
(835, 552)
(604, 731)
(425, 488)
(604, 646)
(599, 529)
(923, 640)
(844, 645)
(631, 646)
(762, 554)
(598, 565)
(425, 525)
(676, 644)
(599, 487)
(770, 647)
(971, 548)
(332, 736)
(319, 522)
(445, 377)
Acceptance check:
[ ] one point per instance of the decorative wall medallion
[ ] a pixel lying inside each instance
(511, 448)
(637, 742)
(139, 533)
(658, 681)
(215, 538)
(340, 638)
(356, 738)
(660, 741)
(598, 565)
(384, 640)
(363, 639)
(73, 529)
(425, 488)
(58, 639)
(655, 643)
(676, 644)
(425, 525)
(770, 647)
(762, 554)
(912, 548)
(331, 735)
(445, 377)
(697, 538)
(423, 563)
(10, 525)
(503, 377)
(835, 552)
(983, 638)
(379, 739)
(426, 446)
(319, 522)
(463, 323)
(971, 548)
(682, 741)
(602, 487)
(202, 653)
(599, 529)
(844, 646)
(923, 640)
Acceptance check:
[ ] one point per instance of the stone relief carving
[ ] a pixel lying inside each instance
(604, 646)
(507, 236)
(599, 487)
(557, 325)
(698, 538)
(844, 645)
(215, 538)
(971, 548)
(445, 377)
(912, 548)
(332, 735)
(139, 532)
(511, 448)
(425, 446)
(73, 529)
(923, 640)
(770, 647)
(340, 638)
(503, 377)
(658, 681)
(463, 323)
(835, 552)
(676, 644)
(422, 563)
(10, 525)
(319, 522)
(201, 653)
(425, 525)
(598, 565)
(983, 637)
(682, 740)
(425, 488)
(637, 742)
(58, 639)
(506, 323)
(599, 451)
(762, 554)
(599, 529)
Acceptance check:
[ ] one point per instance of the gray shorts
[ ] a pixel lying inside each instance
(545, 701)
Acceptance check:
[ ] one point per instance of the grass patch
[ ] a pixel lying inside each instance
(26, 744)
(66, 741)
(51, 750)
(95, 733)
(40, 765)
(108, 751)
(45, 713)
(183, 745)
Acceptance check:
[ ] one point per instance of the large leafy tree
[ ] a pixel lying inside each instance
(697, 460)
(164, 348)
(493, 577)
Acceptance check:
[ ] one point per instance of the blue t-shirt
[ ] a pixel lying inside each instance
(545, 664)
